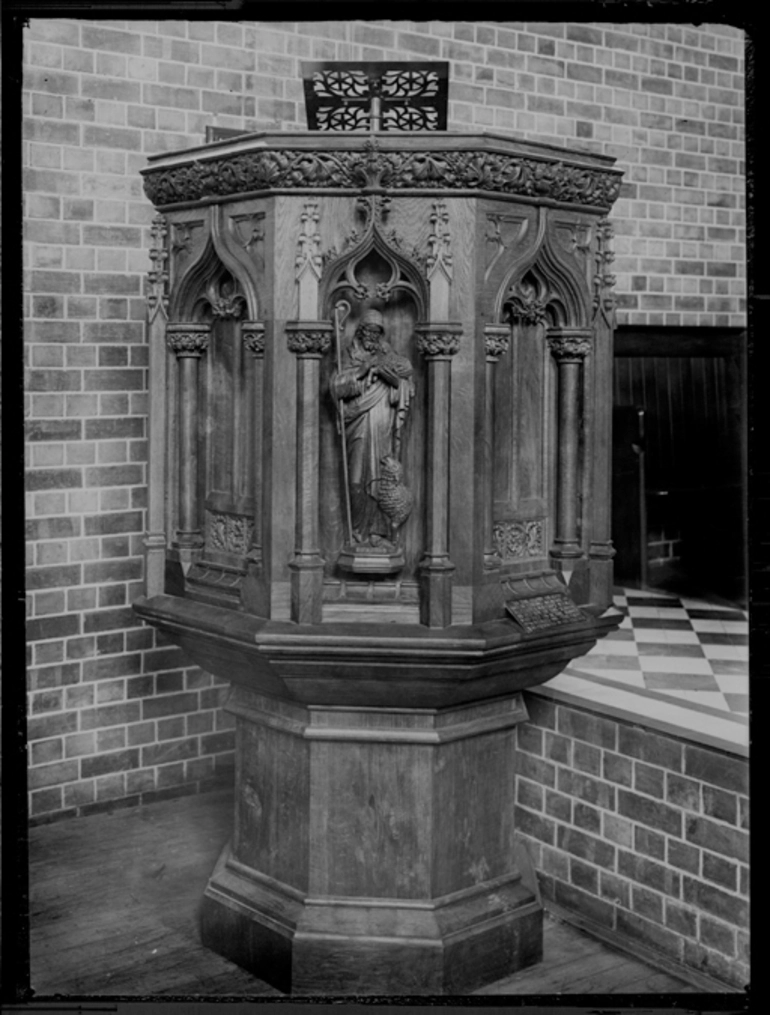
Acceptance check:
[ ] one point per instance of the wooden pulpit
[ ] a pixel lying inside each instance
(380, 507)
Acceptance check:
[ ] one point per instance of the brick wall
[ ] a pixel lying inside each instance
(643, 836)
(115, 715)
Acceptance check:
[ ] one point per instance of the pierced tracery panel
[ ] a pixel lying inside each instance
(376, 96)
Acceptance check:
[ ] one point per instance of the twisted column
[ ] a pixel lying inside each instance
(497, 338)
(437, 343)
(188, 342)
(569, 347)
(308, 340)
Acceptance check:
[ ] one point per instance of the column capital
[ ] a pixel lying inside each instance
(570, 345)
(188, 340)
(253, 337)
(309, 339)
(439, 340)
(497, 339)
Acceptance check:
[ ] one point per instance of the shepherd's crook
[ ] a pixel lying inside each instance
(341, 311)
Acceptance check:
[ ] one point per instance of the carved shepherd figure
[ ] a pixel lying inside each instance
(374, 385)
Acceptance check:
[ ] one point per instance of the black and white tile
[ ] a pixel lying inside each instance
(685, 650)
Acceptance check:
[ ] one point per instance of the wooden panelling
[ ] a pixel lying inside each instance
(271, 829)
(371, 801)
(476, 834)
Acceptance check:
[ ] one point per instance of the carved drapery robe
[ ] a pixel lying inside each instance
(375, 388)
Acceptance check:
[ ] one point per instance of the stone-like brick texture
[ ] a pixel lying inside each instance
(645, 835)
(115, 716)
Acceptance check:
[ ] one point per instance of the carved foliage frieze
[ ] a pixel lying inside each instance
(514, 540)
(309, 340)
(497, 339)
(436, 342)
(229, 532)
(495, 172)
(188, 340)
(253, 337)
(569, 347)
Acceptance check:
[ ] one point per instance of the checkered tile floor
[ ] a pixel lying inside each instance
(682, 650)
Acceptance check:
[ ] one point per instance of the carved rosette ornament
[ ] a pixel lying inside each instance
(188, 340)
(568, 348)
(438, 341)
(309, 339)
(253, 337)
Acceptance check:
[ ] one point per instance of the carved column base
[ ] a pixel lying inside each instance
(570, 562)
(371, 854)
(436, 594)
(565, 549)
(590, 578)
(306, 582)
(186, 553)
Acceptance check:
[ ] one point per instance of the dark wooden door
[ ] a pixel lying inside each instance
(691, 385)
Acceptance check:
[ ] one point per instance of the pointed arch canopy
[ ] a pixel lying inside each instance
(215, 278)
(544, 287)
(402, 275)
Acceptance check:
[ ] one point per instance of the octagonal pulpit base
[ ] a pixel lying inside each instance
(374, 850)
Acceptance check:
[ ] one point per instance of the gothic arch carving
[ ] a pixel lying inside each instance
(395, 274)
(216, 284)
(542, 287)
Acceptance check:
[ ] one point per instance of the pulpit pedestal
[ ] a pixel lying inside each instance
(371, 853)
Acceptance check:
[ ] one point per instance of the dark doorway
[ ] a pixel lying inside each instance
(680, 460)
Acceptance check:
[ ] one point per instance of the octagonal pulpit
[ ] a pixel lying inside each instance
(379, 507)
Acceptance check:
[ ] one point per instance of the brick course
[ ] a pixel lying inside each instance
(665, 99)
(667, 874)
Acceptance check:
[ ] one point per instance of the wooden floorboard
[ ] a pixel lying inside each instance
(114, 902)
